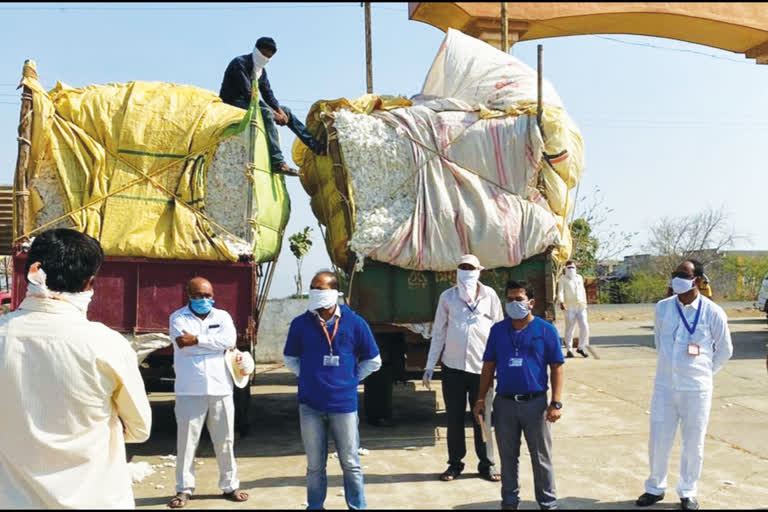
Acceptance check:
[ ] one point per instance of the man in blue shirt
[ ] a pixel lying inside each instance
(519, 349)
(236, 90)
(331, 349)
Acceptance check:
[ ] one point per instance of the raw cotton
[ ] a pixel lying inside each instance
(139, 471)
(381, 169)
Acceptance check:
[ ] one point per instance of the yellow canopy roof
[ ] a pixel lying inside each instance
(740, 27)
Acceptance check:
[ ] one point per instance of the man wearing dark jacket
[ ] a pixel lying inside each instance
(236, 91)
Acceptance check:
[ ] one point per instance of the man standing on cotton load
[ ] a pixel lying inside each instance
(331, 349)
(693, 343)
(464, 317)
(236, 90)
(573, 301)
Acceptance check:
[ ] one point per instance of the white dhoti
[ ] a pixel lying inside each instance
(218, 414)
(573, 316)
(690, 410)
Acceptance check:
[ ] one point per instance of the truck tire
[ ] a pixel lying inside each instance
(242, 399)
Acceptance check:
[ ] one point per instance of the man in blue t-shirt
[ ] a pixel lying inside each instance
(519, 349)
(331, 349)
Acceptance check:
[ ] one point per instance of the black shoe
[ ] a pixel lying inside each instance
(569, 354)
(689, 504)
(284, 169)
(648, 499)
(580, 351)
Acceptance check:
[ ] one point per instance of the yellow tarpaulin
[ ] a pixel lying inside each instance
(132, 160)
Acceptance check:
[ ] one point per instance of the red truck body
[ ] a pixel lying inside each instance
(138, 295)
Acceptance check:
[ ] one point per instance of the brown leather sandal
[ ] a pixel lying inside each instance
(180, 500)
(236, 495)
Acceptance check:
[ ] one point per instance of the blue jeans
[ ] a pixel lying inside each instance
(273, 139)
(315, 426)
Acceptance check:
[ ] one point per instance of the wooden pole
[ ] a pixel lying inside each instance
(539, 87)
(20, 192)
(368, 56)
(504, 28)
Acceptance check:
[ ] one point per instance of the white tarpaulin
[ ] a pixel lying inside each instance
(472, 71)
(430, 186)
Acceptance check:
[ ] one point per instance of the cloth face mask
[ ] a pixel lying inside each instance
(680, 285)
(570, 272)
(517, 309)
(201, 306)
(467, 282)
(322, 299)
(259, 61)
(37, 287)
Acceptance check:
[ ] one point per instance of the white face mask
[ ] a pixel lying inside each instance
(467, 283)
(680, 285)
(37, 287)
(570, 272)
(259, 61)
(518, 309)
(322, 299)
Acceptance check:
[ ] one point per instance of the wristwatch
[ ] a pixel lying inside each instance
(556, 405)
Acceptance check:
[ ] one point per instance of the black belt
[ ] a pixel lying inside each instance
(522, 397)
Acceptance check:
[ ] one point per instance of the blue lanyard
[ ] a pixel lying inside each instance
(514, 338)
(688, 327)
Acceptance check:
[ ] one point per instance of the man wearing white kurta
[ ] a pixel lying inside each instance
(572, 297)
(464, 317)
(71, 391)
(693, 343)
(202, 334)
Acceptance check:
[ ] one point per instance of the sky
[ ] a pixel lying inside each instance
(669, 128)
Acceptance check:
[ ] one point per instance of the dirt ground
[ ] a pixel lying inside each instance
(600, 444)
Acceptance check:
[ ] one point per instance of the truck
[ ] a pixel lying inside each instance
(136, 294)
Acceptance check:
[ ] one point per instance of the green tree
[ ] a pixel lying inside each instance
(585, 246)
(300, 243)
(644, 287)
(747, 273)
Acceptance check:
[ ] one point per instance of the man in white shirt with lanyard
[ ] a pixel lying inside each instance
(693, 343)
(201, 336)
(464, 317)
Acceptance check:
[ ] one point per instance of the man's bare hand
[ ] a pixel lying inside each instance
(553, 414)
(562, 307)
(186, 340)
(479, 411)
(281, 118)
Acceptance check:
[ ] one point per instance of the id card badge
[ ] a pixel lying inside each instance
(330, 360)
(515, 362)
(693, 349)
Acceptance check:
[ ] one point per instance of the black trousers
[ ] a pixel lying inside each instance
(459, 385)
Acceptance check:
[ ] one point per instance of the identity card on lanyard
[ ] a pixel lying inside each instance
(330, 360)
(693, 348)
(515, 361)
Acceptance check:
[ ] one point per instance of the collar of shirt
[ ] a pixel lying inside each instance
(336, 315)
(692, 305)
(43, 305)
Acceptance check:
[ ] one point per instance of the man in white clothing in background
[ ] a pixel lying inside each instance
(464, 317)
(572, 297)
(201, 335)
(693, 343)
(72, 394)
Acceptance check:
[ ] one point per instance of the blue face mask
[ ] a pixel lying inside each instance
(201, 306)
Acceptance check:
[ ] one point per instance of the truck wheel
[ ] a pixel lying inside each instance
(242, 399)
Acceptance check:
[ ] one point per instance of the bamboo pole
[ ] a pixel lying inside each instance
(368, 56)
(539, 72)
(504, 28)
(20, 192)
